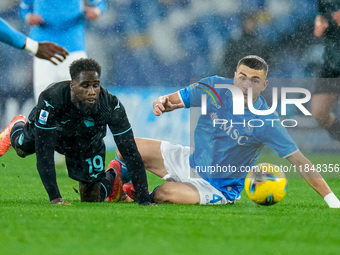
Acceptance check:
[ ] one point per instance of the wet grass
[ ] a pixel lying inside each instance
(300, 224)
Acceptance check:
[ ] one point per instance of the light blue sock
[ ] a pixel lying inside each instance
(125, 174)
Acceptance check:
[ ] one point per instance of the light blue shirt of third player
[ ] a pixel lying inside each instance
(64, 21)
(232, 147)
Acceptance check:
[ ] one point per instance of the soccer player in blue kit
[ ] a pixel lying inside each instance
(44, 50)
(234, 145)
(61, 22)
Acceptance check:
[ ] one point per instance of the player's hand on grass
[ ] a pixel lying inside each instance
(163, 104)
(147, 204)
(52, 52)
(320, 26)
(59, 201)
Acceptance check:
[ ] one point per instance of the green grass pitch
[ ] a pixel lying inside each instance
(300, 224)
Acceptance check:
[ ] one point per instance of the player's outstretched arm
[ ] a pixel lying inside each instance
(45, 50)
(45, 162)
(128, 149)
(167, 104)
(314, 178)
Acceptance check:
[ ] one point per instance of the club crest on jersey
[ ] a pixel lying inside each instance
(89, 123)
(43, 117)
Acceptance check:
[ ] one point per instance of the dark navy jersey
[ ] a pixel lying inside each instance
(330, 68)
(55, 111)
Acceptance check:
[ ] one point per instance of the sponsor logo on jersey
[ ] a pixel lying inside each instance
(43, 117)
(234, 134)
(117, 106)
(64, 122)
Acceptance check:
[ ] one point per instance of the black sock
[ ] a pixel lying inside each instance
(334, 130)
(107, 184)
(16, 132)
(152, 194)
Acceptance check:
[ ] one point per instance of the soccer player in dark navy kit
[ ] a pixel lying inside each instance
(71, 118)
(327, 89)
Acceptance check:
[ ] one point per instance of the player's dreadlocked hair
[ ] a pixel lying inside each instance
(84, 64)
(254, 62)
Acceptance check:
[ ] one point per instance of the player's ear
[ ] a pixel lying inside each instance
(265, 85)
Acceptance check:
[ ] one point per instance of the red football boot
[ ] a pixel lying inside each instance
(117, 188)
(130, 190)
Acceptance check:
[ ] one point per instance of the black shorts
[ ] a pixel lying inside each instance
(327, 86)
(86, 163)
(330, 72)
(85, 160)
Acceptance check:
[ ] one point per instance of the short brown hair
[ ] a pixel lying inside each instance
(254, 62)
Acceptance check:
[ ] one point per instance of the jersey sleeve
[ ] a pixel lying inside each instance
(119, 123)
(124, 139)
(11, 36)
(101, 4)
(321, 7)
(25, 7)
(277, 137)
(45, 142)
(44, 146)
(134, 163)
(46, 112)
(192, 94)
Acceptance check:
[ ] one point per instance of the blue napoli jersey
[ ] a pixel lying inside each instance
(10, 36)
(64, 21)
(223, 152)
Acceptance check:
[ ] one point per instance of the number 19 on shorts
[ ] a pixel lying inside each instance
(96, 165)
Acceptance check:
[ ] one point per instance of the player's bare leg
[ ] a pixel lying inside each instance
(177, 193)
(170, 192)
(322, 109)
(150, 150)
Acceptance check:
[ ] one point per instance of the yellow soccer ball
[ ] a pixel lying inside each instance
(266, 184)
